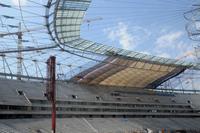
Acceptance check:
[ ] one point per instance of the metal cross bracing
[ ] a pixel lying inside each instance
(51, 34)
(44, 41)
(33, 65)
(187, 82)
(193, 25)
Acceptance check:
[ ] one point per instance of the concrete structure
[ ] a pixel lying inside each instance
(118, 95)
(83, 108)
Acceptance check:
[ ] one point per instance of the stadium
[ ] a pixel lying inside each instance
(57, 75)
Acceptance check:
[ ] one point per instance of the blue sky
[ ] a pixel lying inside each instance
(154, 27)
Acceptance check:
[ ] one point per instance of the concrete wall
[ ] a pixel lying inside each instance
(65, 90)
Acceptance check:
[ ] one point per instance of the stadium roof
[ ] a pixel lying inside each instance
(64, 28)
(130, 73)
(121, 67)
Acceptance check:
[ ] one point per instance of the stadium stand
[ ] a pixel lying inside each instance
(78, 105)
(116, 95)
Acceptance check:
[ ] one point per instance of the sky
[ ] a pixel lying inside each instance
(152, 27)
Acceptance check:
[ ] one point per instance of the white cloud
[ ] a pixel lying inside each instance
(184, 50)
(187, 55)
(127, 36)
(16, 2)
(121, 34)
(169, 40)
(174, 45)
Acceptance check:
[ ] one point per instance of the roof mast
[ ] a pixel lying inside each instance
(19, 54)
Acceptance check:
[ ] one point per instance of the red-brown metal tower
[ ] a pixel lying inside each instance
(51, 88)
